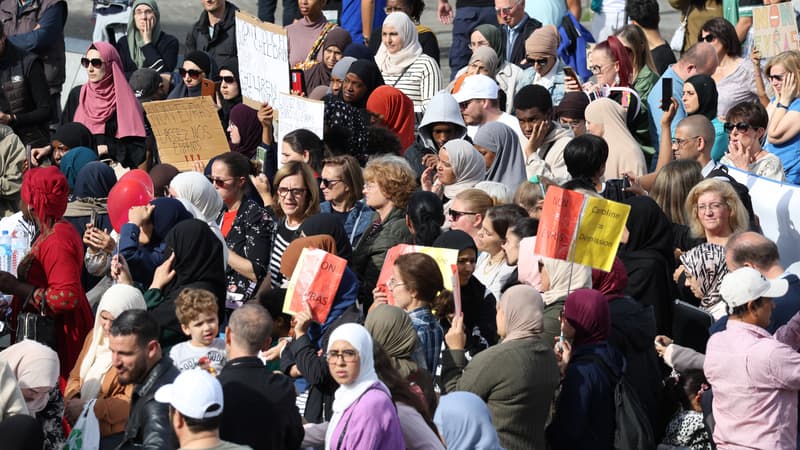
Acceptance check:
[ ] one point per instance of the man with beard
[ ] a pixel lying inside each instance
(137, 357)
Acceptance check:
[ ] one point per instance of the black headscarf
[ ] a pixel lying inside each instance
(327, 223)
(74, 134)
(227, 105)
(648, 228)
(95, 180)
(707, 95)
(370, 75)
(348, 122)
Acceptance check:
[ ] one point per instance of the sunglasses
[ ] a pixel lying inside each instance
(463, 105)
(194, 74)
(228, 80)
(454, 215)
(95, 62)
(326, 182)
(539, 62)
(776, 77)
(707, 38)
(221, 182)
(741, 126)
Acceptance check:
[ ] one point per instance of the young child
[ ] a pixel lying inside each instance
(686, 429)
(197, 312)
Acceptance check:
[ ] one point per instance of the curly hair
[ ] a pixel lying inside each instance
(738, 220)
(312, 190)
(193, 302)
(394, 177)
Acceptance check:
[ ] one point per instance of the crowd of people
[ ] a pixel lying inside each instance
(165, 328)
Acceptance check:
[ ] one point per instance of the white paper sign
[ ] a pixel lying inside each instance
(263, 50)
(295, 112)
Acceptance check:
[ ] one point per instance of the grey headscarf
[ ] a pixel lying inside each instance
(341, 68)
(509, 165)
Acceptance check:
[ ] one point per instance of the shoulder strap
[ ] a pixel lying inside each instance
(312, 54)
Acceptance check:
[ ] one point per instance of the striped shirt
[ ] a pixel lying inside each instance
(283, 237)
(420, 81)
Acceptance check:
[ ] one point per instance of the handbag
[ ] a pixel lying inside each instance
(679, 38)
(85, 435)
(36, 326)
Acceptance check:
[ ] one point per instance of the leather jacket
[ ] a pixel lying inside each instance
(148, 424)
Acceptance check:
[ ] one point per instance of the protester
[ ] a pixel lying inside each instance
(424, 217)
(441, 122)
(700, 96)
(746, 124)
(467, 211)
(333, 46)
(545, 139)
(215, 33)
(459, 167)
(704, 268)
(570, 112)
(74, 161)
(206, 203)
(606, 118)
(162, 175)
(492, 268)
(558, 279)
(342, 185)
(507, 75)
(229, 94)
(393, 109)
(715, 211)
(196, 67)
(735, 75)
(306, 35)
(244, 130)
(500, 148)
(465, 421)
(145, 45)
(546, 69)
(645, 73)
(362, 78)
(645, 14)
(783, 136)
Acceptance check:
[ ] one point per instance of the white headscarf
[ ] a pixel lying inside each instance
(347, 394)
(206, 203)
(396, 63)
(468, 164)
(97, 360)
(36, 366)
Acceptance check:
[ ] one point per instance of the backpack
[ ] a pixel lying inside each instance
(632, 430)
(721, 172)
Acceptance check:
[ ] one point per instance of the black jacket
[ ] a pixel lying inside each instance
(518, 56)
(26, 95)
(222, 47)
(260, 406)
(161, 56)
(148, 424)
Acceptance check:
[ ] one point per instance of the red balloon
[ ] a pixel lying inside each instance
(143, 177)
(125, 194)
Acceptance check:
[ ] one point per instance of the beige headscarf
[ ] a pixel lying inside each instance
(524, 310)
(624, 153)
(396, 63)
(97, 360)
(488, 57)
(543, 40)
(558, 272)
(391, 327)
(35, 366)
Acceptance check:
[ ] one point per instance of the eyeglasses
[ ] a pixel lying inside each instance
(391, 9)
(228, 80)
(454, 215)
(576, 123)
(777, 77)
(296, 192)
(595, 69)
(474, 45)
(194, 74)
(707, 38)
(95, 62)
(679, 142)
(392, 283)
(741, 126)
(716, 206)
(539, 62)
(347, 355)
(326, 182)
(465, 261)
(370, 185)
(506, 10)
(221, 182)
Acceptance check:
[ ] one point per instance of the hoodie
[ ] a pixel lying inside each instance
(442, 108)
(548, 160)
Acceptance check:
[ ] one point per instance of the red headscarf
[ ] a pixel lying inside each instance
(611, 284)
(99, 100)
(587, 311)
(45, 190)
(397, 111)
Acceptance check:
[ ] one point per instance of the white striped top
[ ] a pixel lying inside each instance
(421, 80)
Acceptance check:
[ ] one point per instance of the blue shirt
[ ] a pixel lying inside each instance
(789, 152)
(430, 335)
(654, 104)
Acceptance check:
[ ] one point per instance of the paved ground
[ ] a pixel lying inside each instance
(177, 16)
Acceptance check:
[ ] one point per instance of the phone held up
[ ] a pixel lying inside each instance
(666, 93)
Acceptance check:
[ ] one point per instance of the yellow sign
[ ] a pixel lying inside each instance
(599, 231)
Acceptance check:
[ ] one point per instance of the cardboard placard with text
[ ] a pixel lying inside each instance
(263, 51)
(314, 282)
(186, 130)
(295, 112)
(445, 258)
(775, 29)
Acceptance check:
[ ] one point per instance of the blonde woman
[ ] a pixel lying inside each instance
(783, 132)
(715, 211)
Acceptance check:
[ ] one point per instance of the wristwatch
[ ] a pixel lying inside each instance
(781, 105)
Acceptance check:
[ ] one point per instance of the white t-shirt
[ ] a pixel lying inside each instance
(185, 355)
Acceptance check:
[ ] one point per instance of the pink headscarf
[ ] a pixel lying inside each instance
(45, 189)
(99, 100)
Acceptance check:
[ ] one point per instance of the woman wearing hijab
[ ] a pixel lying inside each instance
(393, 109)
(704, 267)
(333, 47)
(584, 416)
(145, 45)
(328, 224)
(605, 118)
(49, 276)
(541, 50)
(109, 109)
(68, 136)
(348, 124)
(700, 97)
(93, 376)
(194, 188)
(36, 368)
(459, 167)
(517, 378)
(648, 256)
(483, 61)
(74, 161)
(197, 65)
(464, 421)
(364, 416)
(505, 161)
(362, 78)
(402, 63)
(162, 175)
(338, 73)
(244, 130)
(558, 280)
(477, 307)
(229, 93)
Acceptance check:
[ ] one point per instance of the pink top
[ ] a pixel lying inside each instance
(372, 424)
(755, 378)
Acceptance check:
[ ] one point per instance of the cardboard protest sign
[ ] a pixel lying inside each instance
(314, 282)
(295, 112)
(186, 130)
(263, 50)
(582, 229)
(445, 258)
(775, 29)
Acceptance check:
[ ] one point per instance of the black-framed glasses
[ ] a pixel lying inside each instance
(95, 62)
(347, 355)
(540, 62)
(194, 74)
(743, 127)
(328, 182)
(296, 192)
(707, 38)
(596, 69)
(776, 77)
(454, 215)
(229, 80)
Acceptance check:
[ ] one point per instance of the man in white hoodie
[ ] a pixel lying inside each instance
(545, 138)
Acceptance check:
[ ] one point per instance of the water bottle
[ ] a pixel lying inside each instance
(19, 248)
(5, 251)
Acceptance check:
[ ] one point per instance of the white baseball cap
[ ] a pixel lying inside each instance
(747, 284)
(194, 393)
(476, 86)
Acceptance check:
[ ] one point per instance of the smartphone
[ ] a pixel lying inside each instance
(93, 219)
(666, 93)
(29, 156)
(626, 182)
(297, 81)
(208, 87)
(570, 72)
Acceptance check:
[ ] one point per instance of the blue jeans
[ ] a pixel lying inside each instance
(266, 11)
(467, 18)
